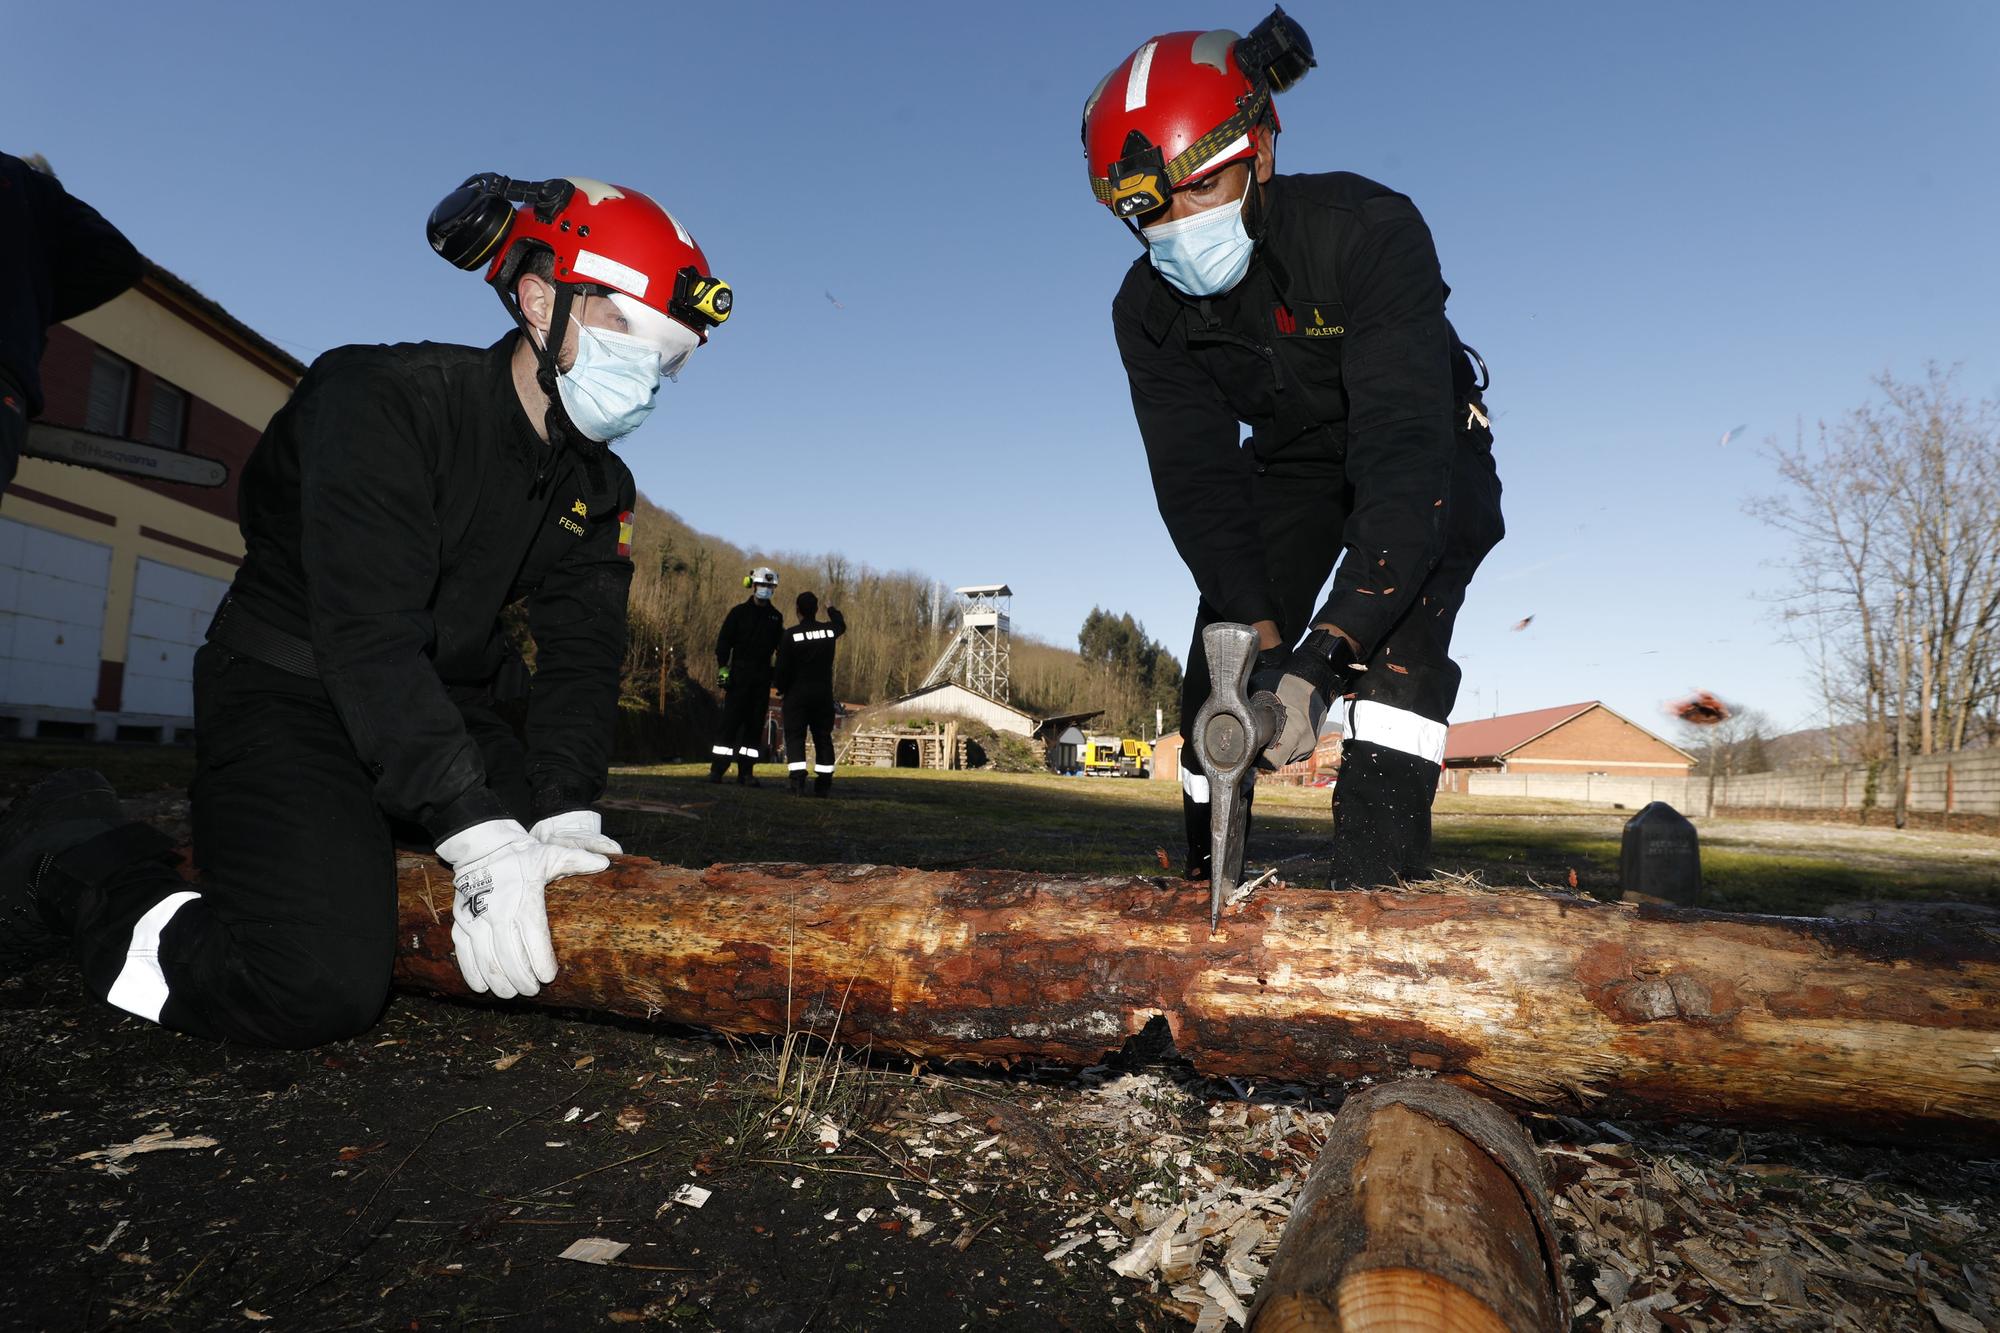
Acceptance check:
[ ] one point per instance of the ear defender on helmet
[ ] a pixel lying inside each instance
(1277, 48)
(469, 224)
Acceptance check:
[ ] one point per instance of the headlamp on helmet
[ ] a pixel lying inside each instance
(699, 301)
(1139, 178)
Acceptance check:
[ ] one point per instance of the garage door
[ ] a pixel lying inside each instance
(51, 616)
(170, 613)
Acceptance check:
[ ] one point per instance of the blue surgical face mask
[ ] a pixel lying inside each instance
(610, 388)
(1203, 255)
(763, 592)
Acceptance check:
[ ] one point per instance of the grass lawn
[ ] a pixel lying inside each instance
(1120, 826)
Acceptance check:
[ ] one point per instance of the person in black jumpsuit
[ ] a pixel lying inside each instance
(805, 679)
(1369, 457)
(58, 258)
(744, 646)
(352, 686)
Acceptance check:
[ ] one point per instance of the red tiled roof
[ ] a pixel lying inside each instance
(1491, 737)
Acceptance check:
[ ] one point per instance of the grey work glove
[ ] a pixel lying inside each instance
(1316, 671)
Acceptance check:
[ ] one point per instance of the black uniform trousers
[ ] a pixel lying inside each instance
(1395, 720)
(745, 706)
(287, 937)
(809, 708)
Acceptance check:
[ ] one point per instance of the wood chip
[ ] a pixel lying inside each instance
(1222, 1294)
(161, 1140)
(1955, 1321)
(1068, 1245)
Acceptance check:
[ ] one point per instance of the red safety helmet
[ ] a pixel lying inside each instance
(1184, 105)
(601, 235)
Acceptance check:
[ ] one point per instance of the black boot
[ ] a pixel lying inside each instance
(716, 769)
(798, 783)
(743, 773)
(1194, 815)
(1381, 817)
(822, 784)
(61, 812)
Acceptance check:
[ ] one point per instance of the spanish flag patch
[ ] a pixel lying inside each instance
(625, 533)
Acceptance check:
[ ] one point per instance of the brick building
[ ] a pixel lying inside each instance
(1575, 740)
(107, 582)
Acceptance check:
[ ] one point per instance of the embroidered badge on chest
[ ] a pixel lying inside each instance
(1322, 319)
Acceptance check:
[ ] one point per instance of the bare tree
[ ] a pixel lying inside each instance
(1895, 593)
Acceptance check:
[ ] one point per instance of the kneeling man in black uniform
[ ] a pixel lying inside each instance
(356, 671)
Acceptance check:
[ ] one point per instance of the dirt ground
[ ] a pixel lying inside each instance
(432, 1173)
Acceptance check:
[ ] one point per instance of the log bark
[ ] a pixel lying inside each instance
(1539, 1000)
(1425, 1210)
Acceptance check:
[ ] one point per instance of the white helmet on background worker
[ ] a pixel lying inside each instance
(762, 582)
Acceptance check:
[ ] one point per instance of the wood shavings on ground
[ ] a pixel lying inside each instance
(1670, 1233)
(1684, 1229)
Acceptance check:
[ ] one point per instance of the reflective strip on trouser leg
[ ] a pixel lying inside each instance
(821, 769)
(1396, 729)
(141, 987)
(747, 752)
(1194, 786)
(796, 766)
(722, 751)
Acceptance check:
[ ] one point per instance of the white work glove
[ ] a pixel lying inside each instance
(499, 924)
(1317, 670)
(582, 829)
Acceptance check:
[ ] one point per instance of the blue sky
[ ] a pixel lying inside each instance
(1659, 222)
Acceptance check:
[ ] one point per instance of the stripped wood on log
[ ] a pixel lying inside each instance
(1539, 1000)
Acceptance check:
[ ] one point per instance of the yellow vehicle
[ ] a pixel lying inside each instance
(1116, 757)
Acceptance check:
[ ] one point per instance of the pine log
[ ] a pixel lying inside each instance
(1426, 1210)
(1540, 1000)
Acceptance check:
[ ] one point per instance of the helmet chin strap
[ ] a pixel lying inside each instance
(562, 432)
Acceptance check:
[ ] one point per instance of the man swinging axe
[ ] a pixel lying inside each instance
(1310, 307)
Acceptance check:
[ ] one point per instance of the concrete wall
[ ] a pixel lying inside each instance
(1687, 795)
(1966, 783)
(1960, 784)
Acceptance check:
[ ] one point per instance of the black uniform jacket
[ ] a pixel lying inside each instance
(805, 656)
(58, 258)
(750, 634)
(391, 510)
(1334, 348)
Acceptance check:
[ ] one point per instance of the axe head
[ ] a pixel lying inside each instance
(1230, 731)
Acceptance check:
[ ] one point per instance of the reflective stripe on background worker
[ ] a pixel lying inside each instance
(744, 647)
(1312, 309)
(805, 679)
(356, 672)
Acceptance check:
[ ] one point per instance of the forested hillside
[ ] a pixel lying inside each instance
(684, 582)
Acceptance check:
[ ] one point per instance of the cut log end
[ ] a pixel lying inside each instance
(1383, 1300)
(1426, 1211)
